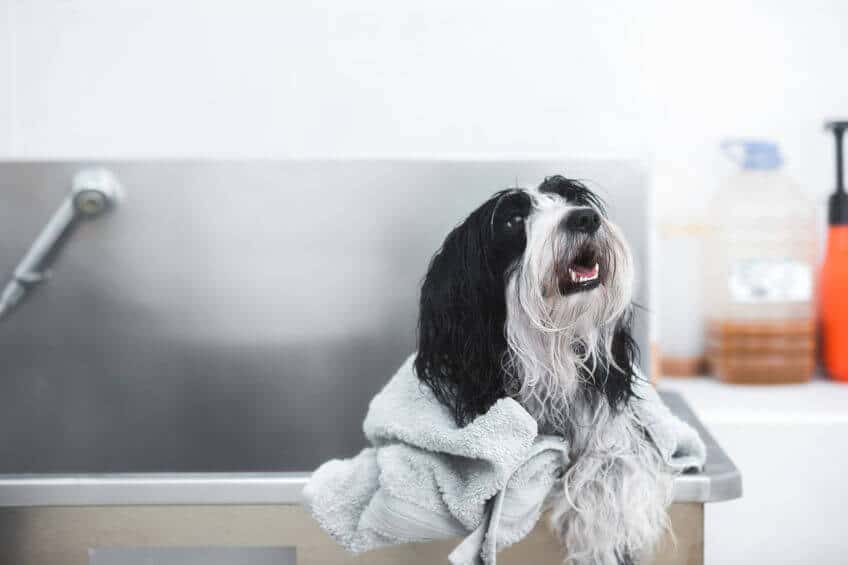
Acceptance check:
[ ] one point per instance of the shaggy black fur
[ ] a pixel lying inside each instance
(613, 381)
(461, 340)
(574, 191)
(461, 327)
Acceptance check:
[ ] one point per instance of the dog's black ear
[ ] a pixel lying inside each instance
(462, 316)
(618, 376)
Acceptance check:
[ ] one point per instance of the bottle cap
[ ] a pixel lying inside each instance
(753, 154)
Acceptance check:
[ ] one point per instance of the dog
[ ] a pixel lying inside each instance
(530, 298)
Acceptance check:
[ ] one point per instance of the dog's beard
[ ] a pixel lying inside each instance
(557, 336)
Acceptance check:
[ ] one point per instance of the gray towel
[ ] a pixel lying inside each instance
(425, 478)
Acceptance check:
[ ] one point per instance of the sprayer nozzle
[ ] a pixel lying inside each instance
(94, 191)
(837, 126)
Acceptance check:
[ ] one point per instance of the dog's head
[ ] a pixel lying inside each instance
(529, 297)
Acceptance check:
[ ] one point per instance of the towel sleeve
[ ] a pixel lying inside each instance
(679, 443)
(338, 493)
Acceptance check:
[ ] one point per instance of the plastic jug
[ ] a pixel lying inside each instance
(760, 255)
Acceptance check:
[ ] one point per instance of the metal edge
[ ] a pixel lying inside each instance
(719, 481)
(125, 489)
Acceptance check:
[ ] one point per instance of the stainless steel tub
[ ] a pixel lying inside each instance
(197, 352)
(52, 519)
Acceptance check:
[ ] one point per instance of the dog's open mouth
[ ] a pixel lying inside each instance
(584, 271)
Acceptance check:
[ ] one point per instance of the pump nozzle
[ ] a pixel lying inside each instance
(838, 204)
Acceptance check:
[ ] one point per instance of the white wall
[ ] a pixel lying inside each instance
(6, 73)
(661, 81)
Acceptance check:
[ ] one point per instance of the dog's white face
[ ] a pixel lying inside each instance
(576, 265)
(529, 297)
(571, 285)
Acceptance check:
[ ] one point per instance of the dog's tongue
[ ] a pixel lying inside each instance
(585, 271)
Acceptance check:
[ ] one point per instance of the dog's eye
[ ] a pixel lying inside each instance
(514, 224)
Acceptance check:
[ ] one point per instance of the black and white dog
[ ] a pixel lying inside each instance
(530, 297)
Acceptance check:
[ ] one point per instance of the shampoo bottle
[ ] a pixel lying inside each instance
(834, 274)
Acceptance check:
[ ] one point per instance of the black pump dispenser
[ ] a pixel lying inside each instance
(838, 203)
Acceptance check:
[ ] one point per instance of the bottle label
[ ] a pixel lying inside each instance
(770, 280)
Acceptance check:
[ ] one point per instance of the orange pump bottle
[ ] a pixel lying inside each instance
(834, 275)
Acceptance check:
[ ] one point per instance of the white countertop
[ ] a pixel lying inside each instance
(819, 401)
(788, 441)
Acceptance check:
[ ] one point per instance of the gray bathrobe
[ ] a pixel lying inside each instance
(425, 478)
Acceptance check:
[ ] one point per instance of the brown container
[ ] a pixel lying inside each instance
(683, 366)
(762, 352)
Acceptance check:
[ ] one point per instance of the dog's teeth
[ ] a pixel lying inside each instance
(579, 278)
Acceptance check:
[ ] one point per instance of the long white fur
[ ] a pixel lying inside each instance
(613, 501)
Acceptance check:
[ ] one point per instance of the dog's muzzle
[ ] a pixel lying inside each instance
(584, 267)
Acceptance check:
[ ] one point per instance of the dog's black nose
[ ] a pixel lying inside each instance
(584, 220)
